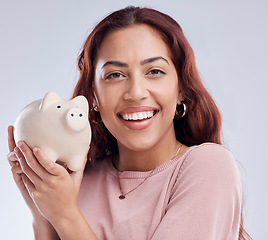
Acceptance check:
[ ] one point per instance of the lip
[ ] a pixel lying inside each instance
(137, 124)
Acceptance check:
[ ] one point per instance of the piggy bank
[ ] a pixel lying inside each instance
(58, 127)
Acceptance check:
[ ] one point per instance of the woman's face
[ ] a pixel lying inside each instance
(136, 88)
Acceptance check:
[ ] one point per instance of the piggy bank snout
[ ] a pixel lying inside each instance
(76, 119)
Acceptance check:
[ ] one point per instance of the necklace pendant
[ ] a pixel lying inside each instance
(122, 197)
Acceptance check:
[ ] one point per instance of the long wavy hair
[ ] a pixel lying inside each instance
(202, 122)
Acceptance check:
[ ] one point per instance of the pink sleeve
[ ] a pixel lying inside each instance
(205, 202)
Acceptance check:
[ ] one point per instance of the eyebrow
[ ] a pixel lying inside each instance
(143, 62)
(115, 63)
(153, 59)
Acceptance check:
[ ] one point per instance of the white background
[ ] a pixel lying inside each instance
(40, 42)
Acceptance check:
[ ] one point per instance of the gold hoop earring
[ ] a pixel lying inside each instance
(96, 109)
(182, 110)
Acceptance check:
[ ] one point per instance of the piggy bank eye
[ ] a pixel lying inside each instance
(58, 106)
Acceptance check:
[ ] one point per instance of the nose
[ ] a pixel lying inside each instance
(136, 90)
(76, 119)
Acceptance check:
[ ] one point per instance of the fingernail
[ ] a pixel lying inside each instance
(11, 154)
(12, 157)
(19, 143)
(35, 149)
(16, 150)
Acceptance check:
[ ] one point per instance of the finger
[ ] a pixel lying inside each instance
(28, 184)
(12, 159)
(10, 137)
(17, 175)
(16, 169)
(25, 167)
(16, 172)
(52, 167)
(31, 160)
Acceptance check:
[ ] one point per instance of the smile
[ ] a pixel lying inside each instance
(138, 115)
(138, 118)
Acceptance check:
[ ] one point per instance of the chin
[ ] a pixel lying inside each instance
(138, 144)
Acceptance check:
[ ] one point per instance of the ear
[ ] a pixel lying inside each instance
(49, 99)
(81, 101)
(95, 100)
(180, 98)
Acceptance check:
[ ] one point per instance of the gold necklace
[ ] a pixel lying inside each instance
(123, 195)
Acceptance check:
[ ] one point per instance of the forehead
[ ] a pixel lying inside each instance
(138, 42)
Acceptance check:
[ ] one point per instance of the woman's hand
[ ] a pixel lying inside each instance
(50, 191)
(17, 173)
(52, 188)
(40, 224)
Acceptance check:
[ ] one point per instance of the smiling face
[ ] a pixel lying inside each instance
(136, 88)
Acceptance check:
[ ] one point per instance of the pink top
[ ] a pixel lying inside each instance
(197, 195)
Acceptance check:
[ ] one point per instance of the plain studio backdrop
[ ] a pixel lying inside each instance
(40, 42)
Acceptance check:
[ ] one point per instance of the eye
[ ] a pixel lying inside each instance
(155, 72)
(59, 106)
(114, 75)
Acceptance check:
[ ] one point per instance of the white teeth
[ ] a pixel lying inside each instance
(135, 116)
(138, 115)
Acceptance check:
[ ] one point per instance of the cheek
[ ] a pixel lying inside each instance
(108, 100)
(168, 100)
(168, 93)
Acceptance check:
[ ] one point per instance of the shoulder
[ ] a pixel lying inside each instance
(208, 154)
(207, 193)
(210, 150)
(210, 160)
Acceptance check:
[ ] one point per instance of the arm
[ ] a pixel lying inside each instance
(40, 225)
(54, 191)
(205, 202)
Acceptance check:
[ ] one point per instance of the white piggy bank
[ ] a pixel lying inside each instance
(59, 127)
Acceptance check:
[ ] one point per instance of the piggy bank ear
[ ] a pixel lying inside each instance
(81, 102)
(49, 99)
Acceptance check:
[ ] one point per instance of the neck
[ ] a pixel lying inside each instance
(146, 160)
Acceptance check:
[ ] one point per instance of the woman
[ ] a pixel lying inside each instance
(156, 168)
